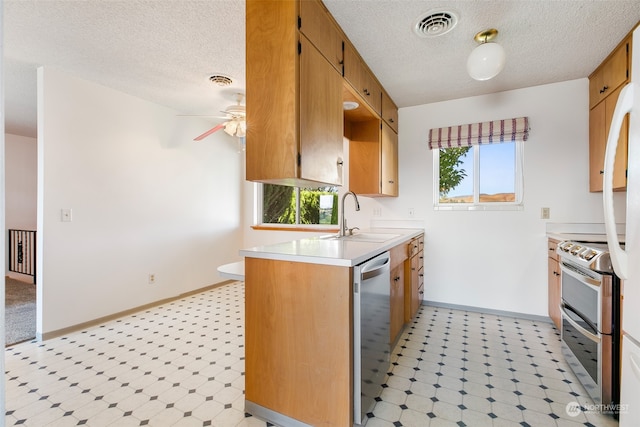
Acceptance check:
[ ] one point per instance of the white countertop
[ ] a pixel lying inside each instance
(323, 250)
(583, 237)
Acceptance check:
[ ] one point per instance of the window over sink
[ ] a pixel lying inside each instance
(296, 206)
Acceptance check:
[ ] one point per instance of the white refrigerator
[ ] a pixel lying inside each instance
(626, 262)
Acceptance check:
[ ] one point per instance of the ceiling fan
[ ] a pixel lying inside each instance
(236, 124)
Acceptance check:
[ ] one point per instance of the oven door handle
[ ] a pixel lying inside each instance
(564, 307)
(567, 269)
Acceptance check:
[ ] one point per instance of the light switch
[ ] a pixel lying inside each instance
(66, 215)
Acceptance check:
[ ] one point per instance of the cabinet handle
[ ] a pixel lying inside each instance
(366, 91)
(550, 249)
(601, 172)
(340, 162)
(604, 89)
(391, 121)
(391, 182)
(555, 273)
(421, 274)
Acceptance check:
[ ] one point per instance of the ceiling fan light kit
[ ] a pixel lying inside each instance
(236, 125)
(488, 59)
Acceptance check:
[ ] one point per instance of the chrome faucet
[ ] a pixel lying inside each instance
(343, 220)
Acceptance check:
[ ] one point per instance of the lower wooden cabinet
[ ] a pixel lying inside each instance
(397, 303)
(554, 283)
(414, 283)
(407, 284)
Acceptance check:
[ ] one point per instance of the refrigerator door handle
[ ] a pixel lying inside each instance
(623, 106)
(634, 365)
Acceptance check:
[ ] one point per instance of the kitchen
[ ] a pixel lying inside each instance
(556, 115)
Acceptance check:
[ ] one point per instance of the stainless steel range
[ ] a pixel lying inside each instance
(590, 311)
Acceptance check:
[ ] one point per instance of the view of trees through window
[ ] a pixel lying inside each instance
(492, 167)
(317, 205)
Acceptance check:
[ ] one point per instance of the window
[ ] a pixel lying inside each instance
(280, 204)
(479, 175)
(479, 166)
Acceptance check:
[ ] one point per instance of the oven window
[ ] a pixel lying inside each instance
(583, 348)
(583, 298)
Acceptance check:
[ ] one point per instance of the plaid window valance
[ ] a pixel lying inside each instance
(493, 132)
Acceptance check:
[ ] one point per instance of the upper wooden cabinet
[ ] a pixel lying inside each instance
(599, 123)
(361, 79)
(294, 102)
(605, 84)
(611, 74)
(317, 25)
(298, 64)
(388, 161)
(389, 111)
(373, 158)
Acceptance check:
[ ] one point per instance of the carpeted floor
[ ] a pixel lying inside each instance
(20, 311)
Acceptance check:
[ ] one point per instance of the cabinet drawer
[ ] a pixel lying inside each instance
(398, 255)
(414, 247)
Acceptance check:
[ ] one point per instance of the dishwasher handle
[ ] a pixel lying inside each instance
(376, 270)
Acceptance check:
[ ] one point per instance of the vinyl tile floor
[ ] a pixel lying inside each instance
(182, 364)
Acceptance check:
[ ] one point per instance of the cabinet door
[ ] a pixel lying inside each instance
(397, 302)
(371, 90)
(554, 295)
(357, 73)
(389, 111)
(272, 128)
(597, 141)
(620, 164)
(389, 165)
(321, 123)
(599, 122)
(318, 27)
(610, 75)
(352, 67)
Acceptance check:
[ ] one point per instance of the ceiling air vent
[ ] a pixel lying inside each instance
(221, 80)
(435, 23)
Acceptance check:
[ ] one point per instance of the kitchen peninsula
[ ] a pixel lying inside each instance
(299, 325)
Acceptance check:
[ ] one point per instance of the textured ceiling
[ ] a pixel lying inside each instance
(165, 50)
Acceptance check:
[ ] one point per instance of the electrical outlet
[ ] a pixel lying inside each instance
(377, 211)
(152, 278)
(545, 213)
(66, 215)
(412, 212)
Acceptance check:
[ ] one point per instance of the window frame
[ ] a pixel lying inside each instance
(257, 215)
(477, 205)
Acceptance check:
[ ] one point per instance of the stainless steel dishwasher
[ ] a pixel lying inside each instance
(371, 318)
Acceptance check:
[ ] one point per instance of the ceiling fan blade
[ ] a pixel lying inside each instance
(209, 132)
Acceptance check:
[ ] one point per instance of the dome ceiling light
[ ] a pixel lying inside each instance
(487, 59)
